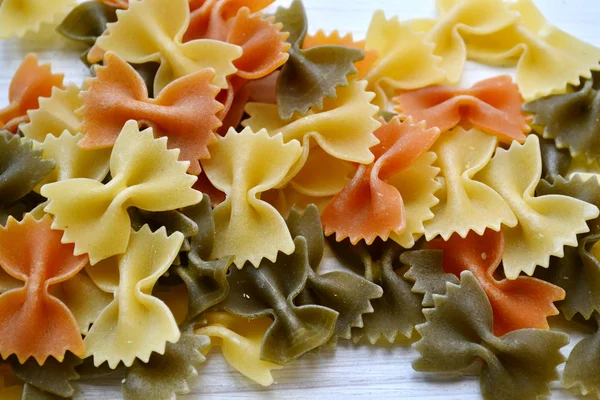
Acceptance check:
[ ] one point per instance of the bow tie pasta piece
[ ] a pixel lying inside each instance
(243, 165)
(135, 324)
(18, 17)
(339, 289)
(334, 39)
(55, 114)
(531, 43)
(71, 161)
(582, 364)
(29, 83)
(158, 34)
(571, 119)
(311, 75)
(458, 332)
(124, 4)
(368, 207)
(21, 168)
(184, 112)
(458, 19)
(344, 128)
(168, 374)
(270, 290)
(206, 281)
(34, 323)
(578, 272)
(517, 304)
(406, 61)
(212, 19)
(544, 224)
(240, 340)
(465, 204)
(492, 105)
(240, 23)
(144, 174)
(398, 310)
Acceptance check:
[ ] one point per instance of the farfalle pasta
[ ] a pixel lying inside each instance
(343, 128)
(378, 207)
(29, 82)
(176, 59)
(184, 112)
(465, 203)
(542, 225)
(492, 105)
(509, 34)
(516, 304)
(237, 168)
(240, 340)
(134, 316)
(34, 323)
(18, 17)
(138, 160)
(226, 181)
(55, 114)
(405, 60)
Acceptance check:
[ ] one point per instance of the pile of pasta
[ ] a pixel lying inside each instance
(224, 179)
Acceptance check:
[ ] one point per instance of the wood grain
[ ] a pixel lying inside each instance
(350, 371)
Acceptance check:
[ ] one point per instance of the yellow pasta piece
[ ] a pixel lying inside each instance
(243, 165)
(71, 161)
(18, 17)
(529, 41)
(406, 60)
(465, 204)
(135, 323)
(319, 174)
(145, 174)
(473, 17)
(240, 340)
(417, 186)
(55, 114)
(544, 224)
(152, 30)
(344, 128)
(83, 298)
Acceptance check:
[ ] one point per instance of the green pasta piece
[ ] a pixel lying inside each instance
(555, 161)
(270, 290)
(206, 280)
(583, 363)
(310, 75)
(572, 119)
(169, 374)
(33, 393)
(458, 332)
(341, 290)
(21, 169)
(399, 309)
(578, 272)
(427, 272)
(53, 377)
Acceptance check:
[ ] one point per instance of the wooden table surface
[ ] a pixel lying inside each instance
(350, 371)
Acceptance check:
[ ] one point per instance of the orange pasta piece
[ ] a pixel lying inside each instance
(493, 105)
(211, 19)
(521, 303)
(30, 82)
(368, 207)
(32, 322)
(185, 110)
(321, 39)
(124, 4)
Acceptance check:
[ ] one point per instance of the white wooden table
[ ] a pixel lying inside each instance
(351, 371)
